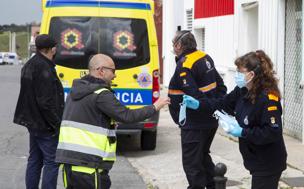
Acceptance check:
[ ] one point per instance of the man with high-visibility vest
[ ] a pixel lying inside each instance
(87, 139)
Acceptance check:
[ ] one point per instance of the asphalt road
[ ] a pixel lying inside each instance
(14, 143)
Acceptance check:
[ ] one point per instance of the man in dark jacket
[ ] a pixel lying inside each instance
(87, 141)
(195, 75)
(39, 109)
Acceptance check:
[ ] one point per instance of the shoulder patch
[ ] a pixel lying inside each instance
(273, 122)
(272, 108)
(183, 74)
(273, 97)
(192, 58)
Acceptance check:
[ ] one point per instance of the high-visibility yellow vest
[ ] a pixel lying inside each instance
(89, 140)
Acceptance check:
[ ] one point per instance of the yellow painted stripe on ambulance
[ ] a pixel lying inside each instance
(272, 108)
(273, 97)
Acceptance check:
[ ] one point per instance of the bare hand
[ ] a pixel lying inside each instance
(161, 102)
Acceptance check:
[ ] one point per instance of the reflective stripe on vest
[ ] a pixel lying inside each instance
(87, 127)
(87, 142)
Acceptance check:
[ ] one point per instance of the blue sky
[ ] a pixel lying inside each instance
(20, 11)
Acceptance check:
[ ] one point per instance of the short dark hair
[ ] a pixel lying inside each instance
(44, 41)
(186, 39)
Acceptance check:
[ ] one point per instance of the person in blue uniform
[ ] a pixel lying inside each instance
(195, 75)
(255, 103)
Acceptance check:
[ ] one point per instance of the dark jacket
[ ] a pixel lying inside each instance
(195, 75)
(85, 105)
(41, 99)
(261, 145)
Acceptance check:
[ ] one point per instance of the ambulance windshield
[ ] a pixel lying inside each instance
(125, 40)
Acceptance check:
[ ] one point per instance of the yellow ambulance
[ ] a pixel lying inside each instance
(125, 31)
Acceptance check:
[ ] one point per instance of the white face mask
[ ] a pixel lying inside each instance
(240, 79)
(182, 114)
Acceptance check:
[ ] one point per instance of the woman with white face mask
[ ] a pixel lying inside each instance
(255, 103)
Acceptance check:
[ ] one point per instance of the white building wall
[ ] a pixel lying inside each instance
(270, 36)
(219, 41)
(246, 26)
(170, 23)
(272, 24)
(172, 18)
(218, 38)
(227, 37)
(281, 44)
(302, 79)
(188, 5)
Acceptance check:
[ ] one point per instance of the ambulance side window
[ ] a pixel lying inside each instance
(76, 37)
(125, 40)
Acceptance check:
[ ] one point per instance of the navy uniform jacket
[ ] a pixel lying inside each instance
(261, 145)
(195, 75)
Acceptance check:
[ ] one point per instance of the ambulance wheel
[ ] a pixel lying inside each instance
(148, 140)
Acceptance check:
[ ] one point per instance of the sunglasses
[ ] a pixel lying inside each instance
(104, 67)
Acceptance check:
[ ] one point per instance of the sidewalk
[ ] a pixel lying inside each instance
(162, 168)
(295, 150)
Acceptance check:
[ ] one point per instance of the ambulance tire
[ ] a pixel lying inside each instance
(148, 140)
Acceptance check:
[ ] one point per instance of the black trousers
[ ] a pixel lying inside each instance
(81, 180)
(265, 182)
(197, 162)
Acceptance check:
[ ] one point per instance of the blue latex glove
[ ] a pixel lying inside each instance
(236, 130)
(191, 102)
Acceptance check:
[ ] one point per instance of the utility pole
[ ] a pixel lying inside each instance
(28, 40)
(302, 74)
(13, 45)
(9, 41)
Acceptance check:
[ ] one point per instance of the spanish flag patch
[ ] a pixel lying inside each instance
(273, 97)
(183, 74)
(272, 108)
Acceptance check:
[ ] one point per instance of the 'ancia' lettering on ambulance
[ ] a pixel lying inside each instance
(129, 97)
